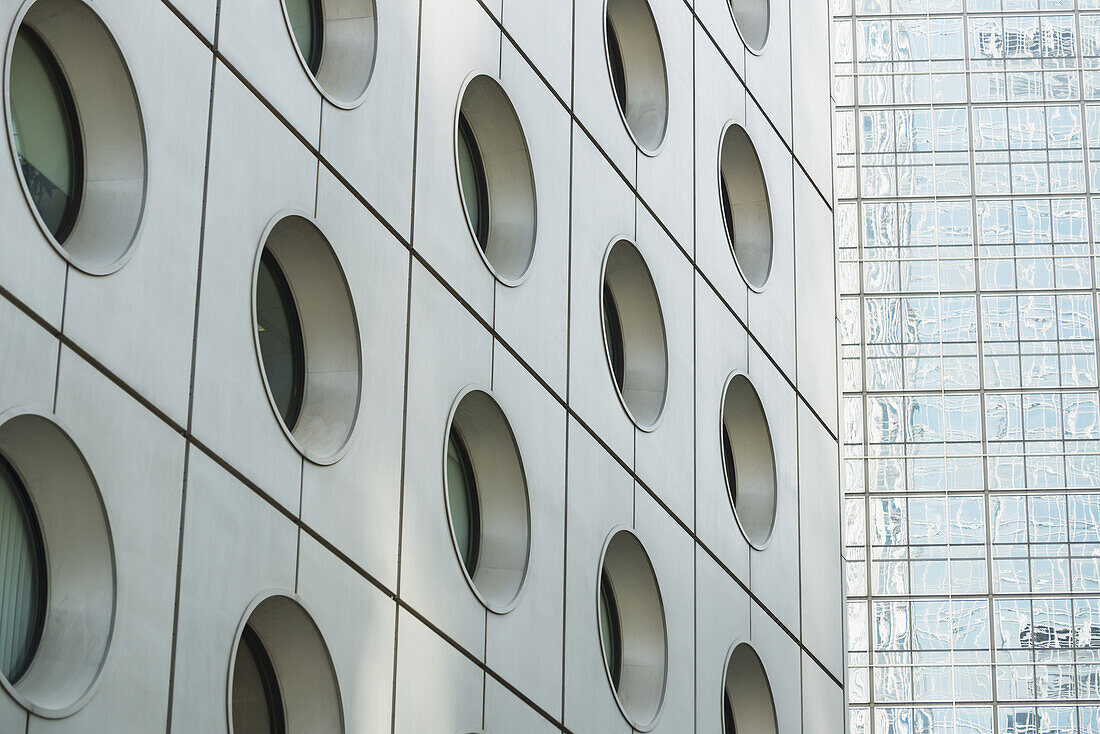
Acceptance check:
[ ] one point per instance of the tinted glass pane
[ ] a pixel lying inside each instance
(727, 715)
(462, 497)
(280, 339)
(471, 174)
(21, 577)
(727, 208)
(609, 628)
(727, 458)
(615, 60)
(44, 127)
(614, 332)
(257, 705)
(306, 20)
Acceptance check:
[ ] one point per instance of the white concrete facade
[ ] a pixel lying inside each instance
(152, 370)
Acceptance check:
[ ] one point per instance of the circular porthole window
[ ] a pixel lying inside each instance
(57, 573)
(487, 502)
(307, 338)
(632, 633)
(495, 179)
(75, 132)
(748, 459)
(747, 703)
(752, 19)
(636, 64)
(634, 334)
(281, 676)
(745, 207)
(336, 42)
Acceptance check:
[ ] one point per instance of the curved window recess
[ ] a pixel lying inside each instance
(752, 18)
(488, 508)
(634, 334)
(748, 461)
(636, 64)
(281, 677)
(495, 179)
(471, 177)
(84, 175)
(22, 576)
(63, 618)
(748, 702)
(307, 19)
(306, 338)
(745, 207)
(336, 41)
(632, 629)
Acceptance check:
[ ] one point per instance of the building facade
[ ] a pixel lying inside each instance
(418, 366)
(966, 136)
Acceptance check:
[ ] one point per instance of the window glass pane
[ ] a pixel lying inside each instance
(43, 126)
(462, 499)
(280, 339)
(609, 628)
(256, 708)
(21, 598)
(305, 20)
(472, 179)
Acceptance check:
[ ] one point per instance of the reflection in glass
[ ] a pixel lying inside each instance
(728, 726)
(462, 498)
(307, 20)
(280, 335)
(610, 631)
(46, 132)
(22, 577)
(613, 336)
(471, 178)
(257, 700)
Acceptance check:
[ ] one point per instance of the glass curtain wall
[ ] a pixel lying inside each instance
(967, 138)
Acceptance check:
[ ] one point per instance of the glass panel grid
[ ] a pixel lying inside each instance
(967, 156)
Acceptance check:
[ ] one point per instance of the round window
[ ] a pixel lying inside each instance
(307, 338)
(745, 208)
(495, 179)
(753, 20)
(748, 459)
(636, 65)
(631, 623)
(634, 334)
(281, 678)
(747, 703)
(57, 574)
(84, 174)
(487, 502)
(336, 42)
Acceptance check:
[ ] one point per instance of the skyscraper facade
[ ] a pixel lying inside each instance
(967, 134)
